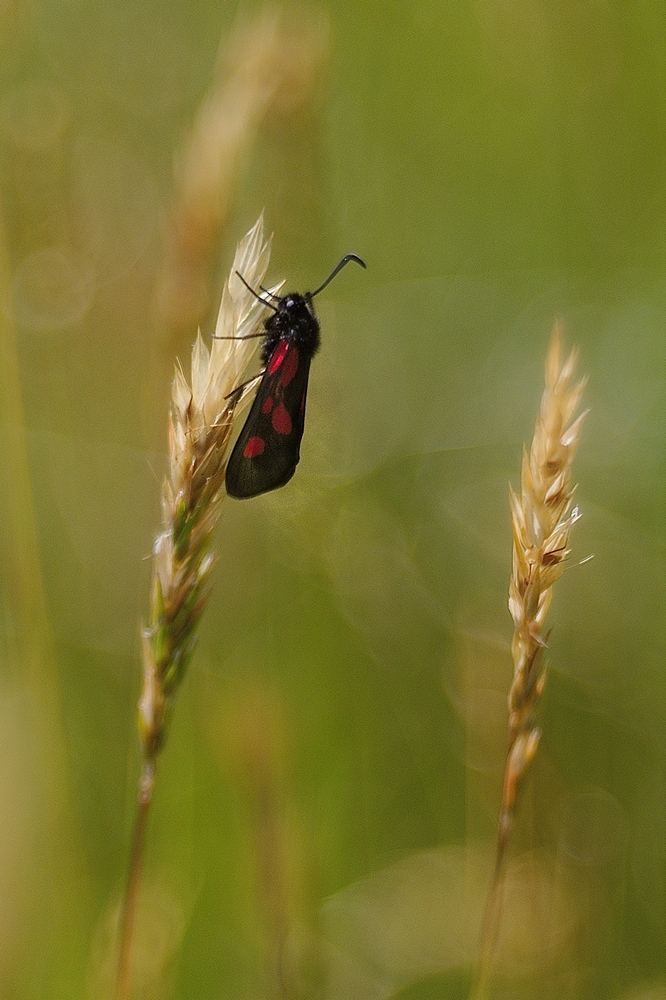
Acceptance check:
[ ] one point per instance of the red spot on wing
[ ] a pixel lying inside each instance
(281, 420)
(267, 405)
(255, 446)
(290, 366)
(277, 356)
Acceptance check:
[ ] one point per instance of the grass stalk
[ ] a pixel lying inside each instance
(203, 412)
(542, 516)
(130, 899)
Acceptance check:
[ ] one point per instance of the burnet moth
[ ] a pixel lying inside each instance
(267, 450)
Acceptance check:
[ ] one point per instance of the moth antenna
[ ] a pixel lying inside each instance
(345, 260)
(250, 289)
(266, 292)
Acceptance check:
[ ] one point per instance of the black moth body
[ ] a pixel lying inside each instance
(267, 451)
(268, 448)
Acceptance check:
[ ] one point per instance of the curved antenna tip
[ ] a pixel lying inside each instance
(341, 264)
(354, 256)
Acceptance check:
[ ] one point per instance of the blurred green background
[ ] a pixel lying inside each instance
(328, 796)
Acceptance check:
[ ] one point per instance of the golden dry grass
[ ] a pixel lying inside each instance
(542, 516)
(200, 426)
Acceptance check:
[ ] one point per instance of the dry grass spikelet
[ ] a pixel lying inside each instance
(542, 516)
(200, 426)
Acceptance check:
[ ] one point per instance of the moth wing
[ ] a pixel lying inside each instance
(267, 449)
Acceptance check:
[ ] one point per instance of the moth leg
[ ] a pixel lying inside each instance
(248, 336)
(239, 388)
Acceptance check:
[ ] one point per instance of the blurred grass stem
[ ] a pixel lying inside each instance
(268, 69)
(29, 642)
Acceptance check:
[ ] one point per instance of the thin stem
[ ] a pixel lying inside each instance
(492, 911)
(129, 906)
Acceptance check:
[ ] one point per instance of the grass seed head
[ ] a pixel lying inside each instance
(200, 426)
(542, 516)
